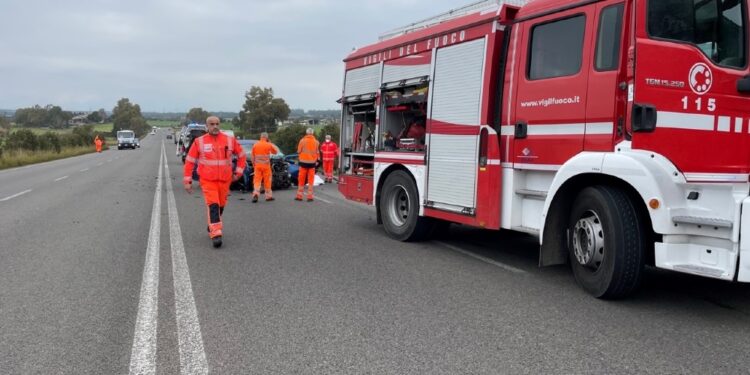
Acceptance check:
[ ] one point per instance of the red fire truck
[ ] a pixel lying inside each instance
(617, 131)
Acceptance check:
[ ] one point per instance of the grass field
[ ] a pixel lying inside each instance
(11, 159)
(164, 123)
(101, 128)
(39, 131)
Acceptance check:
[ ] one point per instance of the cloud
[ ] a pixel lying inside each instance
(174, 54)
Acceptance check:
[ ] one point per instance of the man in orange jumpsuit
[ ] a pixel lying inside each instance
(261, 158)
(308, 150)
(98, 143)
(213, 154)
(330, 150)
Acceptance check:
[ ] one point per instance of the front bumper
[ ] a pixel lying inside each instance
(743, 271)
(714, 242)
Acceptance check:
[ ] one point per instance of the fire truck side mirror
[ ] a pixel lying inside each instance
(644, 117)
(743, 85)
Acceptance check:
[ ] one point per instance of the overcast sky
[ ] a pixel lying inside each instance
(172, 55)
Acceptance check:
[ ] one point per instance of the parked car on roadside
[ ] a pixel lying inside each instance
(189, 134)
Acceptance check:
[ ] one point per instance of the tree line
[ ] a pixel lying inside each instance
(51, 116)
(261, 112)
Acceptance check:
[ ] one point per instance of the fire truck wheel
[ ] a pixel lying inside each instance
(399, 207)
(606, 242)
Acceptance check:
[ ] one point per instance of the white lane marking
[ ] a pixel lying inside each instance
(143, 353)
(61, 178)
(190, 340)
(83, 170)
(100, 164)
(483, 259)
(15, 195)
(321, 199)
(109, 160)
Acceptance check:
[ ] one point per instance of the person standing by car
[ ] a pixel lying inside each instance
(330, 151)
(98, 143)
(212, 153)
(261, 158)
(309, 152)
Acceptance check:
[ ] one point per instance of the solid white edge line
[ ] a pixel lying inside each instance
(483, 259)
(84, 170)
(15, 195)
(192, 353)
(61, 178)
(143, 352)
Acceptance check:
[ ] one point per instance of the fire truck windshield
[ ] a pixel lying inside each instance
(716, 27)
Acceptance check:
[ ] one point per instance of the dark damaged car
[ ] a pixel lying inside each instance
(279, 167)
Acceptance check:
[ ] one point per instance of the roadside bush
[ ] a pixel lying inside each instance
(23, 147)
(85, 134)
(23, 139)
(49, 141)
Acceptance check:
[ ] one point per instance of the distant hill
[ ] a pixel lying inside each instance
(164, 115)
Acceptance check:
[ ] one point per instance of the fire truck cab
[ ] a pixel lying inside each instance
(618, 131)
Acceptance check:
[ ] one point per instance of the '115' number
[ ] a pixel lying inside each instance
(710, 104)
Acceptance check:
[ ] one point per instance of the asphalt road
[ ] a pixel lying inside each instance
(106, 267)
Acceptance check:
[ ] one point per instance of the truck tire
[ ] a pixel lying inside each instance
(606, 242)
(399, 205)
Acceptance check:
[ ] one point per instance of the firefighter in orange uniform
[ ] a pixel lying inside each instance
(98, 143)
(261, 158)
(330, 151)
(308, 150)
(213, 154)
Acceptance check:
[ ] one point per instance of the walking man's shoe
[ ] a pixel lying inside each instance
(217, 241)
(269, 199)
(255, 199)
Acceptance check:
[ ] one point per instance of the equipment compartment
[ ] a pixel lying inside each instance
(357, 188)
(403, 119)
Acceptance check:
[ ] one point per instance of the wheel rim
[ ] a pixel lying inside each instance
(588, 240)
(399, 204)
